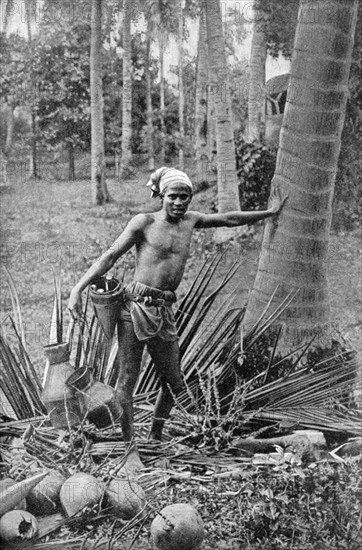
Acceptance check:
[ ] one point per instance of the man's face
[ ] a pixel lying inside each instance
(176, 200)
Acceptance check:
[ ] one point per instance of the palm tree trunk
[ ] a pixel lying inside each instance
(34, 160)
(162, 99)
(9, 129)
(201, 120)
(294, 252)
(256, 97)
(126, 152)
(99, 186)
(211, 122)
(180, 86)
(150, 149)
(228, 198)
(71, 163)
(5, 153)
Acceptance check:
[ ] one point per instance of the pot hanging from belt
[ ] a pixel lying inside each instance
(107, 295)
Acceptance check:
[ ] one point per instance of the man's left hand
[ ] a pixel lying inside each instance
(277, 201)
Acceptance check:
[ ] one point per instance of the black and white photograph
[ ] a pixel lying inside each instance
(181, 275)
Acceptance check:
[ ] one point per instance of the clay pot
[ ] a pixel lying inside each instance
(97, 400)
(60, 400)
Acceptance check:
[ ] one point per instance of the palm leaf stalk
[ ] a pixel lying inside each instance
(15, 302)
(21, 387)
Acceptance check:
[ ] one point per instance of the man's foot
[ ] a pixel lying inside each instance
(154, 437)
(156, 430)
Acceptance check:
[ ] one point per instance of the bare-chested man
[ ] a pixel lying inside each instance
(162, 241)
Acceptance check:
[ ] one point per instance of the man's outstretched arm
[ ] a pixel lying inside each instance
(236, 218)
(104, 263)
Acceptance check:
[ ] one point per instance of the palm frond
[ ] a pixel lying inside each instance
(15, 302)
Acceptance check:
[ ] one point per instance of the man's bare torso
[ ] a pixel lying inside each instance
(162, 248)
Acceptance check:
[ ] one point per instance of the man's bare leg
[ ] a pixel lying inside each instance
(166, 357)
(129, 358)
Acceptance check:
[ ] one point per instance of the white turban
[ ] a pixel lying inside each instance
(163, 177)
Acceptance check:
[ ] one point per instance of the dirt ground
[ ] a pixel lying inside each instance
(47, 225)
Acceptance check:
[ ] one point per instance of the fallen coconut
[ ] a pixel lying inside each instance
(44, 498)
(11, 496)
(126, 497)
(177, 527)
(80, 490)
(4, 485)
(18, 525)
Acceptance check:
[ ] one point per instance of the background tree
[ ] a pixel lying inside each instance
(226, 162)
(126, 148)
(14, 85)
(256, 100)
(274, 27)
(61, 75)
(201, 119)
(294, 251)
(99, 186)
(150, 130)
(30, 16)
(180, 16)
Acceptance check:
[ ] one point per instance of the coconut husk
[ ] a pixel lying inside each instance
(80, 490)
(126, 497)
(177, 527)
(44, 498)
(8, 482)
(13, 495)
(18, 525)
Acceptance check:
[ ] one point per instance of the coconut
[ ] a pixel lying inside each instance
(177, 527)
(44, 498)
(126, 497)
(13, 494)
(18, 525)
(78, 491)
(8, 482)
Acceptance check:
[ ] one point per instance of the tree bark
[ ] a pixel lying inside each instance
(150, 149)
(99, 186)
(294, 250)
(5, 153)
(34, 160)
(228, 198)
(9, 129)
(71, 163)
(126, 151)
(211, 123)
(180, 86)
(162, 98)
(256, 96)
(201, 121)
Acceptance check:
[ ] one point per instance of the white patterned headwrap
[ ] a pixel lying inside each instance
(163, 177)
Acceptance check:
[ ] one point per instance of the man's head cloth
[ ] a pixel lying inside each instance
(163, 177)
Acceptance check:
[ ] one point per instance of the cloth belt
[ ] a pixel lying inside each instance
(170, 298)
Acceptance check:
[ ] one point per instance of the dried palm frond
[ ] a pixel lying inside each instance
(15, 302)
(18, 380)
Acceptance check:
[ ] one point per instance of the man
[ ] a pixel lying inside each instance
(162, 240)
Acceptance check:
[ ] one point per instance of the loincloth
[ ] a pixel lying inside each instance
(150, 311)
